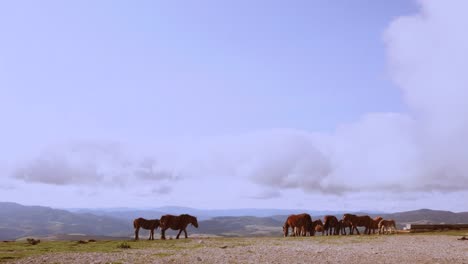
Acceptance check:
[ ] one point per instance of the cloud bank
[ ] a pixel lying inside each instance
(90, 163)
(421, 150)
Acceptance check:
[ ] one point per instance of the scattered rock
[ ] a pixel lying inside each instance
(463, 238)
(82, 242)
(199, 259)
(223, 247)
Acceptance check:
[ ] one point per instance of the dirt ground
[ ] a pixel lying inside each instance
(339, 249)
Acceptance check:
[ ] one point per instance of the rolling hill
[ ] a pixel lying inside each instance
(18, 221)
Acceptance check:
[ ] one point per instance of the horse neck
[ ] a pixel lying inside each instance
(191, 220)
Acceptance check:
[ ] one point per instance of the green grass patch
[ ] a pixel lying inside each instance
(21, 249)
(17, 250)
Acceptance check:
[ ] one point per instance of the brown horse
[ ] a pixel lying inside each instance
(177, 223)
(317, 226)
(357, 221)
(307, 225)
(145, 224)
(331, 224)
(386, 224)
(300, 224)
(342, 227)
(375, 223)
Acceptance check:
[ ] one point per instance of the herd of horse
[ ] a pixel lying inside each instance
(301, 224)
(167, 221)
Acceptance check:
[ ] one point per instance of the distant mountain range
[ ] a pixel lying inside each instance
(18, 221)
(202, 214)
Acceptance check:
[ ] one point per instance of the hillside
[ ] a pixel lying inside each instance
(429, 216)
(241, 226)
(18, 221)
(129, 214)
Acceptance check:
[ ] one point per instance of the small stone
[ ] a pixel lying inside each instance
(199, 259)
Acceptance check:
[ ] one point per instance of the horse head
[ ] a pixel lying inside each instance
(193, 221)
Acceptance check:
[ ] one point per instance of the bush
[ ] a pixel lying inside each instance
(123, 245)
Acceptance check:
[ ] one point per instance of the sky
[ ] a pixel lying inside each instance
(336, 105)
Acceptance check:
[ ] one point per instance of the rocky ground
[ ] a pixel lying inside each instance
(341, 249)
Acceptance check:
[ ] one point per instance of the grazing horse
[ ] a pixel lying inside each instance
(177, 223)
(317, 226)
(331, 224)
(300, 224)
(375, 223)
(356, 221)
(145, 224)
(386, 224)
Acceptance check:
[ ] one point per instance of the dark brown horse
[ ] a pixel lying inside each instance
(357, 221)
(300, 224)
(145, 224)
(177, 223)
(331, 224)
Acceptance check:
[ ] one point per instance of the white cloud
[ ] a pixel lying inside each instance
(418, 151)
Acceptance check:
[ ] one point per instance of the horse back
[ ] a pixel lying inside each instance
(175, 222)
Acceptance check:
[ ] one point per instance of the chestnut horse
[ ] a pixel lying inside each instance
(357, 221)
(300, 224)
(331, 225)
(145, 224)
(375, 223)
(177, 223)
(386, 224)
(317, 226)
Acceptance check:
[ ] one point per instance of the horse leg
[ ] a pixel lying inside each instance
(185, 231)
(357, 230)
(163, 233)
(136, 233)
(151, 234)
(180, 231)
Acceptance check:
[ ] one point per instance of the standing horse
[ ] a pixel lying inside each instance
(357, 221)
(300, 224)
(307, 225)
(342, 227)
(145, 224)
(177, 223)
(331, 224)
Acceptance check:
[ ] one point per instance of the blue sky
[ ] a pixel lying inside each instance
(210, 94)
